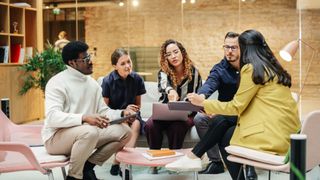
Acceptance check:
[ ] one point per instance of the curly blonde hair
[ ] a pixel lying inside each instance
(169, 69)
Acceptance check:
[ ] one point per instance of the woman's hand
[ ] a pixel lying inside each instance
(133, 107)
(196, 99)
(128, 112)
(173, 95)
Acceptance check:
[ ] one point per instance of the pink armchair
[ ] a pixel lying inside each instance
(310, 127)
(16, 153)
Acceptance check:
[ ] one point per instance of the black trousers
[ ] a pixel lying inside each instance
(175, 131)
(220, 132)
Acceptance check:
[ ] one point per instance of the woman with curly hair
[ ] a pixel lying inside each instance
(176, 78)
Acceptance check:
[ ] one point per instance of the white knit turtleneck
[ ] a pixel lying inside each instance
(68, 96)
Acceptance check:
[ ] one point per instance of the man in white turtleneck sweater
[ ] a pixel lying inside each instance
(77, 119)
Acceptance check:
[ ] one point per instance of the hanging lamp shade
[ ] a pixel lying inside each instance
(289, 50)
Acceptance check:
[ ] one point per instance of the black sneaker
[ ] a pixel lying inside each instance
(120, 172)
(71, 178)
(89, 175)
(153, 170)
(88, 172)
(213, 168)
(115, 169)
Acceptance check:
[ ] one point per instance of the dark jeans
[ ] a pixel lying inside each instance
(220, 132)
(175, 131)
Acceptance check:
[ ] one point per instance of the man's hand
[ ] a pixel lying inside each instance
(196, 99)
(96, 120)
(211, 116)
(173, 95)
(133, 107)
(128, 112)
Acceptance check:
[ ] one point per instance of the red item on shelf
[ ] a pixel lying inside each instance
(15, 53)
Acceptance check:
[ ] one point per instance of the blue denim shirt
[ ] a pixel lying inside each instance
(224, 78)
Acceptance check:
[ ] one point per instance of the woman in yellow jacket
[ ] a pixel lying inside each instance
(267, 112)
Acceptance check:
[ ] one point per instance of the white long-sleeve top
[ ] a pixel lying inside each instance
(68, 96)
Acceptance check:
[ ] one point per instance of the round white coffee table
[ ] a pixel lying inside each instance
(133, 156)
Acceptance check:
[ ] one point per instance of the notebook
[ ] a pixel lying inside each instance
(162, 112)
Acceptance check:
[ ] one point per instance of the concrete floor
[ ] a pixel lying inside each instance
(142, 173)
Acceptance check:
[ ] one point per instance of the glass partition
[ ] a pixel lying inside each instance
(142, 26)
(57, 19)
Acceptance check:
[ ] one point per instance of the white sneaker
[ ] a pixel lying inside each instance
(185, 164)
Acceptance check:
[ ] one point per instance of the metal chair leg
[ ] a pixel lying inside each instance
(50, 174)
(127, 172)
(195, 175)
(124, 172)
(244, 167)
(239, 174)
(64, 174)
(130, 172)
(269, 175)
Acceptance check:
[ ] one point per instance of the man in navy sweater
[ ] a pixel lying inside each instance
(223, 78)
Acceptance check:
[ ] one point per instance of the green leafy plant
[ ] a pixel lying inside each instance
(296, 171)
(41, 68)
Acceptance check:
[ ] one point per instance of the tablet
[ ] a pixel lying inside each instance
(184, 106)
(36, 145)
(122, 119)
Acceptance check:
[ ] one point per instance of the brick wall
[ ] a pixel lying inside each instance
(201, 28)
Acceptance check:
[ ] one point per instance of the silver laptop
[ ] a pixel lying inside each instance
(161, 112)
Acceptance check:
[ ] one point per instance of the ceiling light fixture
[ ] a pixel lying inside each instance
(192, 1)
(183, 1)
(135, 3)
(121, 3)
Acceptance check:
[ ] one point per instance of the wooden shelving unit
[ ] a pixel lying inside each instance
(26, 35)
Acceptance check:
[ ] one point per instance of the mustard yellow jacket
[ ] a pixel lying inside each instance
(267, 114)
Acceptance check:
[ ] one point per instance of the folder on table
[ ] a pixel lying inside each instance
(184, 106)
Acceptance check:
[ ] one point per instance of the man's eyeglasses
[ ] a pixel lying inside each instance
(232, 48)
(85, 59)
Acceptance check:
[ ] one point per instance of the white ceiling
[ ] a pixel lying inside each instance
(305, 4)
(308, 4)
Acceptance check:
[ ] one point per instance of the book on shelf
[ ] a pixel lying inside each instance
(15, 52)
(29, 52)
(4, 53)
(21, 57)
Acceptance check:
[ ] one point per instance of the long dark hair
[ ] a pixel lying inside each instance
(254, 50)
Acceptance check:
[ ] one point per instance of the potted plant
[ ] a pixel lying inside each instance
(40, 68)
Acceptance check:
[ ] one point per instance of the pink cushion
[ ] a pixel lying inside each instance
(255, 155)
(43, 156)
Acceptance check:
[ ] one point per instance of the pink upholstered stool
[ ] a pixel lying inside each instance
(133, 156)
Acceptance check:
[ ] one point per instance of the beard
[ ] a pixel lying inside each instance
(232, 60)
